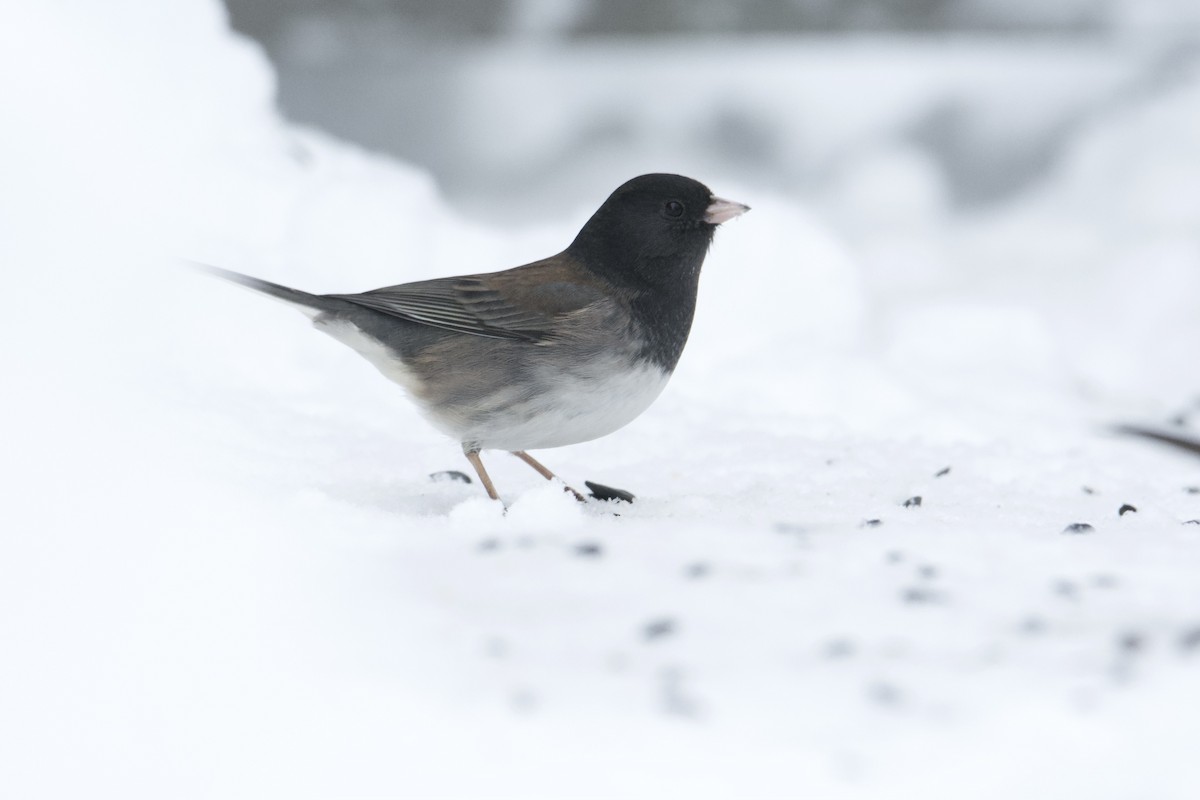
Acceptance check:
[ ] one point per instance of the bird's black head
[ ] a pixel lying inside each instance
(648, 241)
(653, 231)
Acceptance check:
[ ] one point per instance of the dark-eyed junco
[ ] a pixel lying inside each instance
(1174, 440)
(560, 351)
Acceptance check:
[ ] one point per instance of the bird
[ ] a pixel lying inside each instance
(1189, 445)
(548, 354)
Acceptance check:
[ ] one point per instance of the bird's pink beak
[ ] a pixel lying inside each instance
(720, 210)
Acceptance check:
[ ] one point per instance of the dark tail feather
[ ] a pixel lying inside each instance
(1183, 443)
(295, 296)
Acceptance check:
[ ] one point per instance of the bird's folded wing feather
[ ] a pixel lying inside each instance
(515, 304)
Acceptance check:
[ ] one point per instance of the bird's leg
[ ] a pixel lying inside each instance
(533, 462)
(477, 463)
(545, 473)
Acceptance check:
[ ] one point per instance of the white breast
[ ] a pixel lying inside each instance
(577, 404)
(574, 406)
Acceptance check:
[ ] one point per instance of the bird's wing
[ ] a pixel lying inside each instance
(521, 303)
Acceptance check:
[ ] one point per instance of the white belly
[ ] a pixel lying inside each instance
(575, 406)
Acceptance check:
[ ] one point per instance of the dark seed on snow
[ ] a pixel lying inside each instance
(885, 694)
(839, 648)
(871, 523)
(658, 629)
(913, 502)
(1125, 509)
(1192, 489)
(1065, 588)
(602, 492)
(1130, 642)
(1078, 527)
(916, 595)
(941, 472)
(1088, 490)
(450, 476)
(1192, 522)
(589, 550)
(523, 700)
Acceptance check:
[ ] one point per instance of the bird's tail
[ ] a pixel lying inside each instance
(310, 304)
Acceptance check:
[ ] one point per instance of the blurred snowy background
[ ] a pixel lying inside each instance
(511, 105)
(975, 245)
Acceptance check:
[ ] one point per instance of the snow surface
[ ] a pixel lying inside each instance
(225, 571)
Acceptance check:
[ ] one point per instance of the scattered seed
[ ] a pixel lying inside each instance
(1065, 588)
(602, 492)
(885, 694)
(1078, 527)
(942, 472)
(449, 476)
(839, 648)
(1131, 642)
(1088, 490)
(1192, 522)
(658, 629)
(913, 502)
(916, 595)
(1192, 489)
(589, 550)
(1125, 509)
(523, 700)
(871, 523)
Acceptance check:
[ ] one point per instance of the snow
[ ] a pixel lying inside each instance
(225, 571)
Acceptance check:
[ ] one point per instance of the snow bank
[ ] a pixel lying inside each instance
(225, 572)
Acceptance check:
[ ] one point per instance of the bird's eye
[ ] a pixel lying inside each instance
(673, 208)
